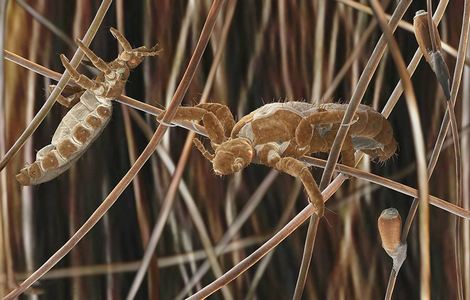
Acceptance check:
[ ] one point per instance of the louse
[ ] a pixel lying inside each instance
(90, 113)
(278, 134)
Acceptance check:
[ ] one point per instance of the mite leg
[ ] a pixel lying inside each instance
(223, 114)
(304, 131)
(67, 91)
(80, 79)
(347, 153)
(69, 101)
(95, 60)
(213, 126)
(209, 156)
(121, 39)
(139, 52)
(191, 114)
(300, 170)
(144, 51)
(269, 155)
(70, 95)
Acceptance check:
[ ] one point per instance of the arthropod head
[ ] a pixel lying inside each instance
(133, 57)
(232, 156)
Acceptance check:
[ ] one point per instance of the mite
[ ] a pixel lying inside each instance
(90, 113)
(278, 134)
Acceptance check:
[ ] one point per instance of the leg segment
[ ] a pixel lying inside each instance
(347, 153)
(95, 60)
(121, 39)
(223, 114)
(323, 144)
(211, 123)
(144, 51)
(268, 155)
(70, 95)
(300, 170)
(191, 114)
(214, 128)
(209, 156)
(80, 79)
(67, 102)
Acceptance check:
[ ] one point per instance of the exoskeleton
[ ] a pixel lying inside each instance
(278, 134)
(91, 111)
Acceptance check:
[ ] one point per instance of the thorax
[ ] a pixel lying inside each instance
(273, 123)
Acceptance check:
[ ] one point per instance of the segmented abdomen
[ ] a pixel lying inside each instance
(370, 132)
(373, 134)
(77, 130)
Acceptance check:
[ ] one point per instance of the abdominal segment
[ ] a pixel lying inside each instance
(75, 133)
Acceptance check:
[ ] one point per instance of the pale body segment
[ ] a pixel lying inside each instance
(278, 134)
(75, 133)
(90, 113)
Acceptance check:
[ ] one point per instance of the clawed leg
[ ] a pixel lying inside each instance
(347, 153)
(324, 145)
(209, 156)
(95, 60)
(133, 57)
(348, 158)
(121, 39)
(300, 170)
(213, 126)
(141, 51)
(80, 79)
(70, 101)
(223, 114)
(70, 95)
(269, 155)
(144, 51)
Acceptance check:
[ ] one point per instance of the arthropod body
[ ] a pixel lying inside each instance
(77, 130)
(91, 112)
(299, 128)
(278, 134)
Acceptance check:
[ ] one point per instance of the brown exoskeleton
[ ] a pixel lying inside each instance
(278, 134)
(90, 113)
